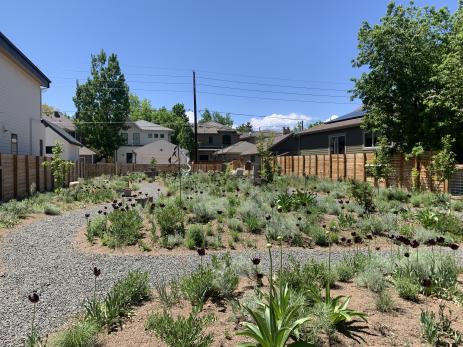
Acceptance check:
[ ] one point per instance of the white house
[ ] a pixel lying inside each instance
(161, 151)
(21, 84)
(53, 134)
(138, 134)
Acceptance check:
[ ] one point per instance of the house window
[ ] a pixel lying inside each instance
(150, 136)
(369, 139)
(125, 138)
(211, 140)
(203, 157)
(162, 136)
(226, 140)
(136, 138)
(14, 144)
(129, 158)
(156, 136)
(338, 144)
(49, 150)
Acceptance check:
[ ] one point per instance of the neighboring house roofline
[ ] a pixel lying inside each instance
(61, 132)
(145, 125)
(18, 56)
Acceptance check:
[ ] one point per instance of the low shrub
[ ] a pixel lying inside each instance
(117, 304)
(170, 219)
(83, 333)
(197, 287)
(346, 271)
(362, 192)
(407, 288)
(225, 277)
(384, 302)
(195, 237)
(185, 332)
(96, 228)
(51, 210)
(124, 228)
(372, 278)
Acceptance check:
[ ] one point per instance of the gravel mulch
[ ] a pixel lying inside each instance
(40, 256)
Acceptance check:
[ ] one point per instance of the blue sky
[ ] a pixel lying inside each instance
(299, 51)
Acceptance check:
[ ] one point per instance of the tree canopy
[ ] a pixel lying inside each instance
(413, 89)
(244, 128)
(208, 116)
(175, 119)
(102, 105)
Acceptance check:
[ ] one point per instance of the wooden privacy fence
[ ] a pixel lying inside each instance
(20, 174)
(355, 166)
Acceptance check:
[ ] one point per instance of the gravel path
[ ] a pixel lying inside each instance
(40, 256)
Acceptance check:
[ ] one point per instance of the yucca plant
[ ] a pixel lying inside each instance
(338, 306)
(276, 318)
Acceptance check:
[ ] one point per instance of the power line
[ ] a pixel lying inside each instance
(279, 99)
(271, 91)
(271, 77)
(271, 85)
(257, 116)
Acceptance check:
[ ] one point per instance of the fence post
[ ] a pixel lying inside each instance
(330, 168)
(345, 166)
(364, 167)
(15, 176)
(28, 183)
(1, 179)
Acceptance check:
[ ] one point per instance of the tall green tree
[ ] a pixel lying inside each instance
(208, 116)
(447, 97)
(103, 105)
(244, 128)
(401, 54)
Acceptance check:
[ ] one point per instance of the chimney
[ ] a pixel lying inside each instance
(57, 114)
(286, 130)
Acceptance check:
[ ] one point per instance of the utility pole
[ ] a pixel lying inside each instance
(179, 172)
(196, 117)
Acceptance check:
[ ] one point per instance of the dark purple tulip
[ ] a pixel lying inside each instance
(299, 218)
(219, 212)
(358, 239)
(431, 242)
(96, 271)
(415, 243)
(406, 254)
(162, 205)
(255, 261)
(353, 234)
(369, 236)
(260, 276)
(454, 246)
(280, 209)
(87, 215)
(268, 217)
(34, 297)
(377, 248)
(343, 239)
(272, 205)
(349, 242)
(201, 252)
(426, 282)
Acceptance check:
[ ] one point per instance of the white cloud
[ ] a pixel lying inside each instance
(191, 116)
(278, 121)
(332, 117)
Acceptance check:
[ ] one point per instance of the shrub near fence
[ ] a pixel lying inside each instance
(354, 166)
(18, 173)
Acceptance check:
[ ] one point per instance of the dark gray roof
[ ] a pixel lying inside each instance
(14, 52)
(359, 112)
(61, 132)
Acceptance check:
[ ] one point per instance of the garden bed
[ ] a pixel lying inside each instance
(223, 213)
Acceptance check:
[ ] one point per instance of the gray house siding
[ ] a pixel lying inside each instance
(318, 143)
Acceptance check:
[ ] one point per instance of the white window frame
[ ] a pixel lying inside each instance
(125, 136)
(133, 139)
(14, 143)
(337, 135)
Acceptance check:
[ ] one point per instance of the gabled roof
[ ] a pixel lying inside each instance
(86, 151)
(213, 128)
(351, 119)
(238, 148)
(161, 150)
(148, 126)
(20, 58)
(62, 121)
(61, 132)
(357, 113)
